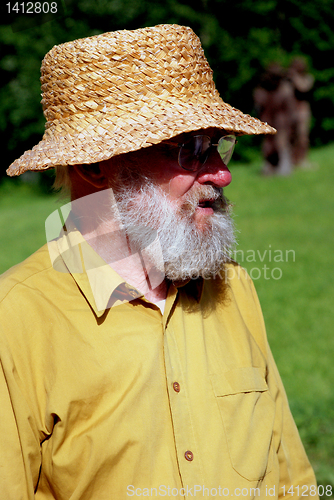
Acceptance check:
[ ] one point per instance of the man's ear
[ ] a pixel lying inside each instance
(93, 174)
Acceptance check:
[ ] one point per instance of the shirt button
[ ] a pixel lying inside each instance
(176, 387)
(189, 456)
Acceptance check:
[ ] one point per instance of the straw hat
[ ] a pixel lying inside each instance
(121, 91)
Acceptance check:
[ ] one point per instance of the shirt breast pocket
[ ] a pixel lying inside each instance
(248, 411)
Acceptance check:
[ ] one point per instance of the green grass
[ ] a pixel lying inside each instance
(273, 215)
(23, 210)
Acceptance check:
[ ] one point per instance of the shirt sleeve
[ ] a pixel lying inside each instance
(296, 477)
(20, 455)
(22, 396)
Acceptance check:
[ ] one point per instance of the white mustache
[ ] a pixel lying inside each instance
(202, 194)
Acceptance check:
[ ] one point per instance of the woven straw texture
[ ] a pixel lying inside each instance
(121, 91)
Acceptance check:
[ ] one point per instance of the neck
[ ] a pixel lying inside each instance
(139, 268)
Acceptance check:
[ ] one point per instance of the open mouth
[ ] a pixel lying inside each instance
(205, 203)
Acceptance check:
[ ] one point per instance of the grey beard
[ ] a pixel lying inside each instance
(192, 253)
(188, 251)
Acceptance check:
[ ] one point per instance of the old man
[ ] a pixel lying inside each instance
(134, 356)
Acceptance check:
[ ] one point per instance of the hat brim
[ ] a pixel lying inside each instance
(100, 135)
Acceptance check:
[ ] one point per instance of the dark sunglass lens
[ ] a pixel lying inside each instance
(194, 153)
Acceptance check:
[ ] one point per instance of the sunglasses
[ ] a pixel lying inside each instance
(194, 152)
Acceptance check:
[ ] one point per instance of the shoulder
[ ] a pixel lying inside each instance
(33, 283)
(231, 285)
(31, 295)
(237, 300)
(25, 273)
(238, 281)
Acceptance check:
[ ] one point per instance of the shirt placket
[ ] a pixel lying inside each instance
(184, 433)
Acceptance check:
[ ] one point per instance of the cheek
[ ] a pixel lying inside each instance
(179, 185)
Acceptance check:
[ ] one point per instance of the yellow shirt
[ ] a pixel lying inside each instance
(111, 403)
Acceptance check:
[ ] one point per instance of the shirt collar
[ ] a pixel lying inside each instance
(101, 285)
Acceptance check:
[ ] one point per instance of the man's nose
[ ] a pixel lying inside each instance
(214, 172)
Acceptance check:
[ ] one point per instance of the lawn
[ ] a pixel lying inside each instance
(286, 243)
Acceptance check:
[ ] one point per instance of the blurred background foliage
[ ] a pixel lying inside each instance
(240, 39)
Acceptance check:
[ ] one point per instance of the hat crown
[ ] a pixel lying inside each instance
(121, 91)
(118, 68)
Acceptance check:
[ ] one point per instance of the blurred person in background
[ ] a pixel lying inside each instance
(302, 83)
(275, 104)
(281, 99)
